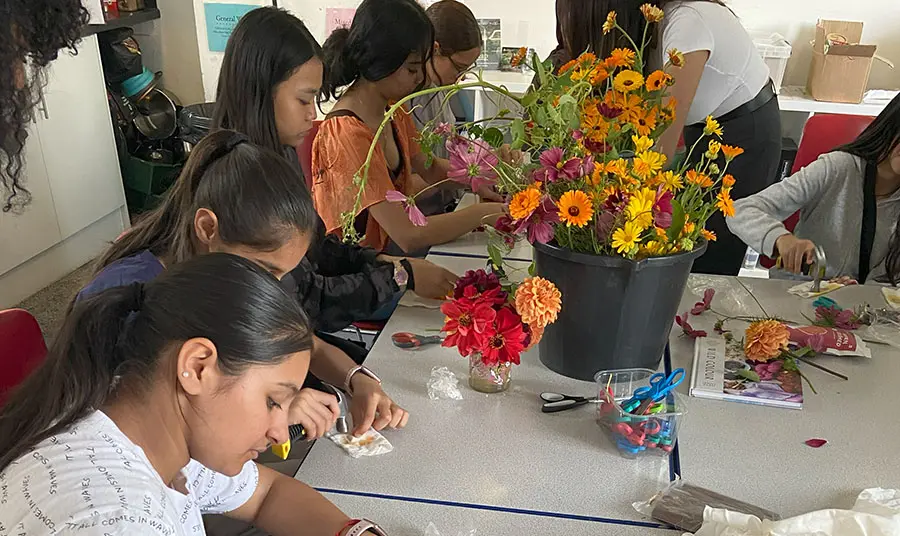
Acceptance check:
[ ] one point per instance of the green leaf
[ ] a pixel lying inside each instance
(503, 113)
(678, 219)
(541, 69)
(493, 136)
(748, 375)
(476, 131)
(517, 129)
(532, 269)
(429, 160)
(495, 255)
(529, 99)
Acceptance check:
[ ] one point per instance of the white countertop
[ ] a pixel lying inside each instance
(492, 450)
(475, 244)
(757, 454)
(404, 518)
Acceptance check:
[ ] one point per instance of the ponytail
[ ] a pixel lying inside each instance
(119, 338)
(255, 193)
(340, 69)
(76, 376)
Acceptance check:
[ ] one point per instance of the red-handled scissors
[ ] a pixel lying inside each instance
(410, 341)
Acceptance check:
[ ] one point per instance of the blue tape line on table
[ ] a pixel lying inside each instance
(674, 457)
(502, 509)
(473, 256)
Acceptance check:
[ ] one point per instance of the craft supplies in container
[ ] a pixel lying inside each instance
(640, 410)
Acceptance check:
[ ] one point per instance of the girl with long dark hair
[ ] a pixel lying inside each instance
(31, 35)
(152, 404)
(849, 203)
(381, 58)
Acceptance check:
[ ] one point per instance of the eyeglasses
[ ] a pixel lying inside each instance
(458, 67)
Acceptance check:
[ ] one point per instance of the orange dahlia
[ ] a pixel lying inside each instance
(765, 340)
(538, 301)
(524, 203)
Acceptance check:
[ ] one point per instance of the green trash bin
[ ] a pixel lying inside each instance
(146, 182)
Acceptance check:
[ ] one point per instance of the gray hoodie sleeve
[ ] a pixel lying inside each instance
(758, 219)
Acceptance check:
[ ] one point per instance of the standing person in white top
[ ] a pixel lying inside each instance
(723, 76)
(151, 406)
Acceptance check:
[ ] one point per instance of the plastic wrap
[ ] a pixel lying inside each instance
(731, 298)
(884, 327)
(682, 505)
(432, 530)
(443, 385)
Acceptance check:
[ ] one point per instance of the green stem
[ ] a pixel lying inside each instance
(432, 186)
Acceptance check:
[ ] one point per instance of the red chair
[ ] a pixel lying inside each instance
(22, 348)
(304, 154)
(821, 134)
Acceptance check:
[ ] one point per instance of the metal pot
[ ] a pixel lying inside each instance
(156, 115)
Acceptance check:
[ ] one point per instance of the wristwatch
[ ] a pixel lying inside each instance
(401, 275)
(365, 525)
(352, 372)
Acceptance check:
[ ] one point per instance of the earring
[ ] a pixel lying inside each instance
(186, 374)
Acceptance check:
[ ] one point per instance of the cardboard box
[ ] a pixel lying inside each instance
(840, 72)
(131, 5)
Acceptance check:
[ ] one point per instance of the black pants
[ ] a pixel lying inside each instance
(759, 134)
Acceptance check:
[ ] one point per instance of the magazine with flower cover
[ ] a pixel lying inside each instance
(723, 372)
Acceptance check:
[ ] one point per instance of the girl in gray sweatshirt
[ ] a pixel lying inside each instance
(849, 203)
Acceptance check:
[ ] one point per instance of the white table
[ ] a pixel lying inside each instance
(488, 450)
(757, 453)
(404, 518)
(475, 244)
(795, 99)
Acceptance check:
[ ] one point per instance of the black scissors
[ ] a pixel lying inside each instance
(555, 402)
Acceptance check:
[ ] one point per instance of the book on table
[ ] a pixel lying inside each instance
(722, 372)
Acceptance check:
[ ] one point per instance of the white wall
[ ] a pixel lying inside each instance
(180, 50)
(534, 22)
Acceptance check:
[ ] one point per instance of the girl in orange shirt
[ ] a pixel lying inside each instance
(380, 59)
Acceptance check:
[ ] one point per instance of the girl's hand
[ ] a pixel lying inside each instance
(315, 411)
(432, 281)
(794, 252)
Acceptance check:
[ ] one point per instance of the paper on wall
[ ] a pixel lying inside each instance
(338, 17)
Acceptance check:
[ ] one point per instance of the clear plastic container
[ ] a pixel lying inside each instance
(775, 51)
(631, 434)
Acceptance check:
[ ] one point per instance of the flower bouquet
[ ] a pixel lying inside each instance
(492, 323)
(586, 186)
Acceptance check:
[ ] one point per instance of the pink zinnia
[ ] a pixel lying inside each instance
(539, 226)
(473, 164)
(556, 168)
(662, 209)
(409, 205)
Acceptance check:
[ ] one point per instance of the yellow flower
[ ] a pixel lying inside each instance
(579, 73)
(641, 143)
(524, 203)
(765, 340)
(621, 57)
(658, 80)
(731, 152)
(671, 181)
(618, 167)
(724, 203)
(566, 67)
(644, 121)
(652, 13)
(640, 208)
(713, 152)
(708, 235)
(700, 179)
(628, 81)
(655, 248)
(538, 301)
(676, 58)
(624, 239)
(668, 111)
(598, 175)
(727, 181)
(575, 208)
(648, 163)
(712, 127)
(610, 23)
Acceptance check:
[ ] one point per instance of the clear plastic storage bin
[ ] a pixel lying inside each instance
(775, 51)
(635, 435)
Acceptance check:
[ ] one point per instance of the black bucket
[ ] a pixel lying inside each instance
(616, 313)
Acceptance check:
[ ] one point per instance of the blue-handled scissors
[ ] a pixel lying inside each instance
(660, 385)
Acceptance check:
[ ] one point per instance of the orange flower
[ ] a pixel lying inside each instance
(618, 167)
(725, 203)
(644, 121)
(661, 233)
(658, 80)
(629, 103)
(708, 235)
(599, 75)
(700, 179)
(676, 58)
(610, 23)
(594, 127)
(519, 57)
(566, 67)
(652, 13)
(587, 59)
(765, 340)
(727, 180)
(621, 57)
(731, 152)
(538, 301)
(648, 163)
(598, 174)
(524, 203)
(575, 208)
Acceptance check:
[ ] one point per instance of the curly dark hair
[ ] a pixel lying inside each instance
(31, 34)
